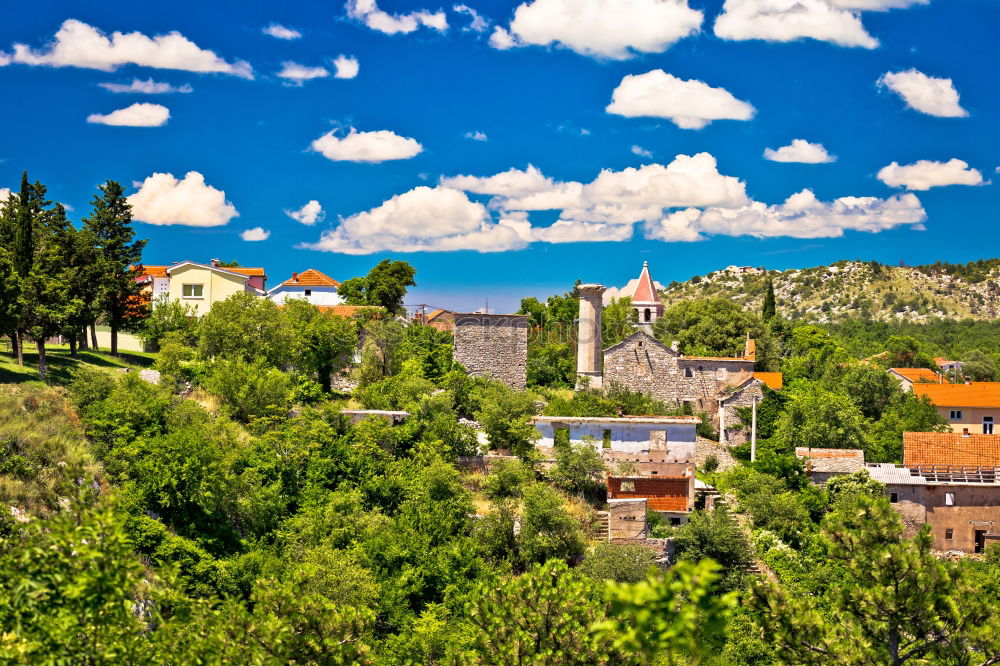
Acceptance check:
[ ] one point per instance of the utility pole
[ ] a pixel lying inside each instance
(753, 432)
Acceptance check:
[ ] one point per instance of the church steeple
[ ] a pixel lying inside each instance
(645, 300)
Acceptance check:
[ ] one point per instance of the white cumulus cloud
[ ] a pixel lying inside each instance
(378, 146)
(140, 114)
(368, 12)
(614, 29)
(297, 74)
(802, 215)
(791, 20)
(77, 44)
(642, 152)
(163, 199)
(477, 136)
(147, 87)
(347, 67)
(421, 220)
(255, 234)
(281, 32)
(688, 104)
(933, 96)
(925, 174)
(800, 150)
(309, 214)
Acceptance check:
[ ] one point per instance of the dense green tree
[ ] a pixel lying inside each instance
(769, 310)
(322, 343)
(82, 270)
(120, 255)
(248, 327)
(578, 470)
(871, 389)
(979, 367)
(715, 326)
(547, 529)
(248, 389)
(717, 536)
(621, 563)
(505, 416)
(893, 602)
(507, 479)
(672, 618)
(543, 616)
(818, 418)
(167, 316)
(384, 285)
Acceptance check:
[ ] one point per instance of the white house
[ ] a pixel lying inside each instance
(674, 436)
(311, 285)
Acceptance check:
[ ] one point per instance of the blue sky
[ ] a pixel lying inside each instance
(675, 102)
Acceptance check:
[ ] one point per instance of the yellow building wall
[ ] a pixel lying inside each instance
(972, 418)
(216, 286)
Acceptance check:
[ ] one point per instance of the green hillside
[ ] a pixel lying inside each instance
(856, 289)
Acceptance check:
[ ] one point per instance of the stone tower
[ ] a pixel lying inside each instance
(588, 346)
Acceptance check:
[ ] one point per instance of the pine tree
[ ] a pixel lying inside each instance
(46, 299)
(770, 309)
(9, 280)
(119, 255)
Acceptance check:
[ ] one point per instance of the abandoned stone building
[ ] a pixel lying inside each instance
(493, 345)
(672, 436)
(732, 430)
(824, 464)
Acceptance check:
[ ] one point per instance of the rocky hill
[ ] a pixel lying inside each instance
(849, 289)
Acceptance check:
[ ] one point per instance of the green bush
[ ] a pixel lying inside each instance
(249, 390)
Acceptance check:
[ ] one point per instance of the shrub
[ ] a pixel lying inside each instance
(547, 529)
(249, 390)
(507, 479)
(627, 563)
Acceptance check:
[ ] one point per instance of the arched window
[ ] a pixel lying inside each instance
(647, 314)
(688, 373)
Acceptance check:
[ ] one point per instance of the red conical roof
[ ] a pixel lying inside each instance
(645, 291)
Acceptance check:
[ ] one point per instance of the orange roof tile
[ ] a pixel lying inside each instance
(918, 375)
(773, 380)
(976, 394)
(950, 448)
(440, 313)
(346, 310)
(155, 271)
(242, 270)
(645, 291)
(310, 278)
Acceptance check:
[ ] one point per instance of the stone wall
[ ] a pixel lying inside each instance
(643, 363)
(492, 345)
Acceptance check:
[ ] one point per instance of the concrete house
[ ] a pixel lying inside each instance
(309, 285)
(674, 436)
(974, 407)
(203, 285)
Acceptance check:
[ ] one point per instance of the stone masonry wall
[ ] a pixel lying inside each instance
(737, 434)
(492, 345)
(642, 363)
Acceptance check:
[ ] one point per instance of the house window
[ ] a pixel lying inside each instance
(628, 486)
(893, 497)
(646, 315)
(956, 414)
(606, 439)
(949, 499)
(675, 522)
(309, 292)
(688, 373)
(193, 290)
(949, 534)
(987, 425)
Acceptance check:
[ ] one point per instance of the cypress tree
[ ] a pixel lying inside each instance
(119, 255)
(770, 309)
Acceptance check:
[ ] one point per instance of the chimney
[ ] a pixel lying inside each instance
(965, 432)
(295, 277)
(588, 346)
(215, 263)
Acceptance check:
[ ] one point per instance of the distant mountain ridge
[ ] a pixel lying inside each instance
(857, 289)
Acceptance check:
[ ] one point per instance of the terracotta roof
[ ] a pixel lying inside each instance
(249, 272)
(976, 394)
(645, 292)
(346, 310)
(832, 460)
(773, 380)
(950, 448)
(440, 313)
(155, 271)
(310, 278)
(918, 375)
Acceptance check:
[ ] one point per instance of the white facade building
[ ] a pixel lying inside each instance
(674, 436)
(310, 285)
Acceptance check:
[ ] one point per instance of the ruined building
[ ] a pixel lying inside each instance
(494, 346)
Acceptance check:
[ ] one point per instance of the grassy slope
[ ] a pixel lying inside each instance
(61, 364)
(849, 289)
